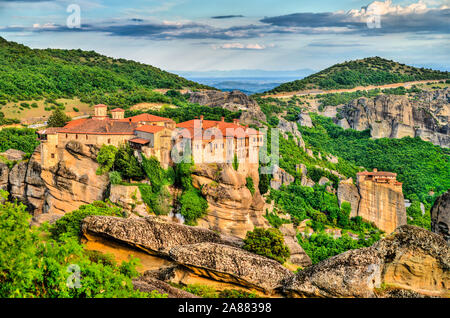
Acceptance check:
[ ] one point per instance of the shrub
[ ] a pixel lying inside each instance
(267, 242)
(115, 177)
(249, 184)
(70, 223)
(106, 158)
(75, 109)
(193, 206)
(34, 105)
(127, 164)
(235, 162)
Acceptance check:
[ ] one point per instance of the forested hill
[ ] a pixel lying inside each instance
(27, 73)
(365, 72)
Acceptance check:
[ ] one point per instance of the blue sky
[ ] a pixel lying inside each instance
(199, 35)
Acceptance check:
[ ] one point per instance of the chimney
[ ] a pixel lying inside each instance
(236, 121)
(375, 170)
(222, 119)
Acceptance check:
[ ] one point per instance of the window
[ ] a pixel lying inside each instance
(67, 136)
(109, 141)
(53, 155)
(76, 136)
(86, 137)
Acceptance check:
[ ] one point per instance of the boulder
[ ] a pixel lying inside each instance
(151, 234)
(411, 261)
(440, 216)
(129, 198)
(298, 255)
(230, 264)
(348, 192)
(13, 154)
(4, 176)
(305, 120)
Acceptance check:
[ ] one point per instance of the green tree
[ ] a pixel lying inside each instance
(193, 206)
(267, 242)
(58, 119)
(127, 164)
(105, 158)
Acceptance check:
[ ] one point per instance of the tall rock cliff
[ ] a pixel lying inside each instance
(380, 203)
(49, 191)
(425, 115)
(233, 209)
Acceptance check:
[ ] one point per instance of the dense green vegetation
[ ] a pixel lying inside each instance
(320, 246)
(365, 72)
(34, 265)
(267, 242)
(27, 74)
(421, 166)
(70, 224)
(23, 139)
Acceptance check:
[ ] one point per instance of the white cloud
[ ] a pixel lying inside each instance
(240, 46)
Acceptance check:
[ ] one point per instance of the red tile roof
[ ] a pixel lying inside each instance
(146, 118)
(227, 129)
(99, 127)
(150, 129)
(141, 141)
(100, 105)
(49, 131)
(117, 110)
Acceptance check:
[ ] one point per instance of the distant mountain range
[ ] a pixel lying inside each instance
(248, 81)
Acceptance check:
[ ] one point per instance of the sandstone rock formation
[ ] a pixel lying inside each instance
(233, 209)
(440, 216)
(52, 191)
(231, 264)
(348, 192)
(286, 127)
(13, 154)
(298, 255)
(280, 177)
(410, 262)
(233, 101)
(151, 234)
(129, 198)
(395, 116)
(380, 203)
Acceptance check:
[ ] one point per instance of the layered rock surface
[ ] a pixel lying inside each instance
(411, 261)
(396, 116)
(233, 101)
(233, 209)
(440, 216)
(51, 191)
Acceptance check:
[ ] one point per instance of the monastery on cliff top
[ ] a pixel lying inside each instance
(210, 141)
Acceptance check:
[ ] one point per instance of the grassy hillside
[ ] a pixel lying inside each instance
(30, 74)
(365, 72)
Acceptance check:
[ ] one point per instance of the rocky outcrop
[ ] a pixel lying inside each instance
(305, 120)
(231, 264)
(298, 255)
(426, 115)
(13, 154)
(280, 177)
(286, 127)
(381, 203)
(129, 198)
(233, 101)
(233, 209)
(348, 192)
(151, 234)
(440, 216)
(410, 262)
(49, 191)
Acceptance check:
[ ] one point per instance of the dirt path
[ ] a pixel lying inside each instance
(358, 88)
